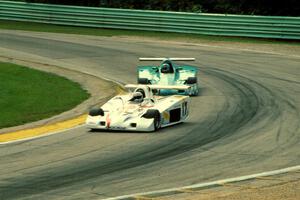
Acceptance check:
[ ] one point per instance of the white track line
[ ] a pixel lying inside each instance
(207, 184)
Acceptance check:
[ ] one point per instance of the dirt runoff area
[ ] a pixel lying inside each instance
(284, 186)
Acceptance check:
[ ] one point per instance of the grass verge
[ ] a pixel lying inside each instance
(41, 27)
(29, 95)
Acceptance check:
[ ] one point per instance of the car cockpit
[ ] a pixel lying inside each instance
(167, 68)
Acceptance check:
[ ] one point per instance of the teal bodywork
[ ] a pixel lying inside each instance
(177, 75)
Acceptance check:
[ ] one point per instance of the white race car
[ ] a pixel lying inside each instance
(140, 110)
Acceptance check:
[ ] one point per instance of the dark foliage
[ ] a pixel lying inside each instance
(252, 7)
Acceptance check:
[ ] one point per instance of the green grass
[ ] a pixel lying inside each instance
(40, 27)
(28, 95)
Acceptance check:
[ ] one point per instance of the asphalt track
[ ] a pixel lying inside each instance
(245, 121)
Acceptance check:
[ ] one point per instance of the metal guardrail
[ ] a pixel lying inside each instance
(178, 22)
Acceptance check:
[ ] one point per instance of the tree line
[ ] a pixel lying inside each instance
(249, 7)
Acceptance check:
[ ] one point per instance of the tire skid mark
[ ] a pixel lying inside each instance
(247, 106)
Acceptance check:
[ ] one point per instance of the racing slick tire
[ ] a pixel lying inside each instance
(191, 80)
(152, 113)
(143, 81)
(96, 112)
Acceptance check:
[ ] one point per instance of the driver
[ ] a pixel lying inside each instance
(166, 68)
(137, 97)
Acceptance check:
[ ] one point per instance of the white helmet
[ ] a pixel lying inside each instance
(137, 97)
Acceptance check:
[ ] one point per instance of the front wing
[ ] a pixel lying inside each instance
(105, 123)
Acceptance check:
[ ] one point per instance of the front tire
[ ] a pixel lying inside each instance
(156, 123)
(96, 112)
(155, 115)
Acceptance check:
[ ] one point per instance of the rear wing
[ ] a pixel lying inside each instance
(159, 87)
(162, 59)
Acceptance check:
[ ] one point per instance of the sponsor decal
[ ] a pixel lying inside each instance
(166, 115)
(108, 121)
(117, 127)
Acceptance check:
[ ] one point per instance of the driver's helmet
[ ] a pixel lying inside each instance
(166, 68)
(141, 90)
(137, 97)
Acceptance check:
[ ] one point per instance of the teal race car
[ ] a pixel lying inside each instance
(169, 73)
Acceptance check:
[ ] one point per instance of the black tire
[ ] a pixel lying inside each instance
(143, 81)
(157, 122)
(96, 112)
(196, 93)
(191, 80)
(153, 114)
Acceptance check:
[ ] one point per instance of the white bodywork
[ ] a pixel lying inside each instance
(121, 113)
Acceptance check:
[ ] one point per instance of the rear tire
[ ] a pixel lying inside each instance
(196, 93)
(143, 81)
(191, 80)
